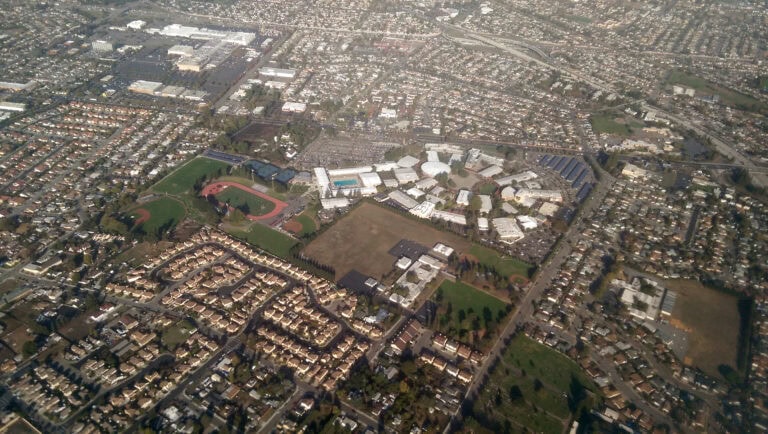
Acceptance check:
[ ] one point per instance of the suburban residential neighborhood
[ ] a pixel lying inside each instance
(397, 217)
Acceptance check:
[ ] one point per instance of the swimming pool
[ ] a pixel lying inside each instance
(345, 182)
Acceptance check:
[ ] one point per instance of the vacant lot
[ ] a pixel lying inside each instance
(266, 238)
(183, 179)
(712, 319)
(466, 313)
(362, 239)
(163, 213)
(8, 285)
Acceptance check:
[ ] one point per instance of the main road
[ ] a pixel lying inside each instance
(548, 271)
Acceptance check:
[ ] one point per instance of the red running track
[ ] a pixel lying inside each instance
(216, 188)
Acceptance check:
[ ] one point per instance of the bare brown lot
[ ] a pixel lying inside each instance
(361, 240)
(712, 318)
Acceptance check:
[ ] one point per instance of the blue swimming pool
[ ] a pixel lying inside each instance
(345, 182)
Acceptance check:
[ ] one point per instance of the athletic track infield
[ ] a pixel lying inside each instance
(216, 188)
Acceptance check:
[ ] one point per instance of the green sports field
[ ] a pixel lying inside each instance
(268, 239)
(164, 212)
(307, 224)
(608, 125)
(183, 179)
(238, 198)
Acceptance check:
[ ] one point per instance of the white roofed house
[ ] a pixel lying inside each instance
(294, 107)
(490, 171)
(334, 202)
(322, 180)
(507, 229)
(404, 175)
(423, 210)
(442, 249)
(486, 204)
(426, 183)
(388, 113)
(527, 222)
(508, 193)
(407, 161)
(402, 199)
(548, 209)
(370, 179)
(451, 217)
(462, 199)
(550, 195)
(517, 178)
(482, 224)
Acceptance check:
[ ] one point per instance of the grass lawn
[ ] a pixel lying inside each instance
(487, 188)
(177, 333)
(249, 183)
(578, 19)
(267, 239)
(466, 313)
(237, 198)
(531, 389)
(308, 225)
(139, 252)
(545, 363)
(728, 96)
(506, 266)
(608, 125)
(164, 212)
(183, 179)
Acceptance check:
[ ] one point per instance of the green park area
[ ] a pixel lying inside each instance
(608, 124)
(159, 215)
(244, 201)
(532, 388)
(308, 225)
(267, 239)
(468, 314)
(727, 96)
(507, 267)
(177, 334)
(487, 188)
(183, 179)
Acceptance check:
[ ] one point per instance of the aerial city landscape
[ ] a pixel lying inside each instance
(395, 216)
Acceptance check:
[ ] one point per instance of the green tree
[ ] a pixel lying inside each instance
(29, 348)
(515, 394)
(475, 203)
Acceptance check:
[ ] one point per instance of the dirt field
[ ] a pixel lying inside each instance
(142, 216)
(362, 239)
(712, 318)
(292, 226)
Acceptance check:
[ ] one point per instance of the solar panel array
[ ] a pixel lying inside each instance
(571, 169)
